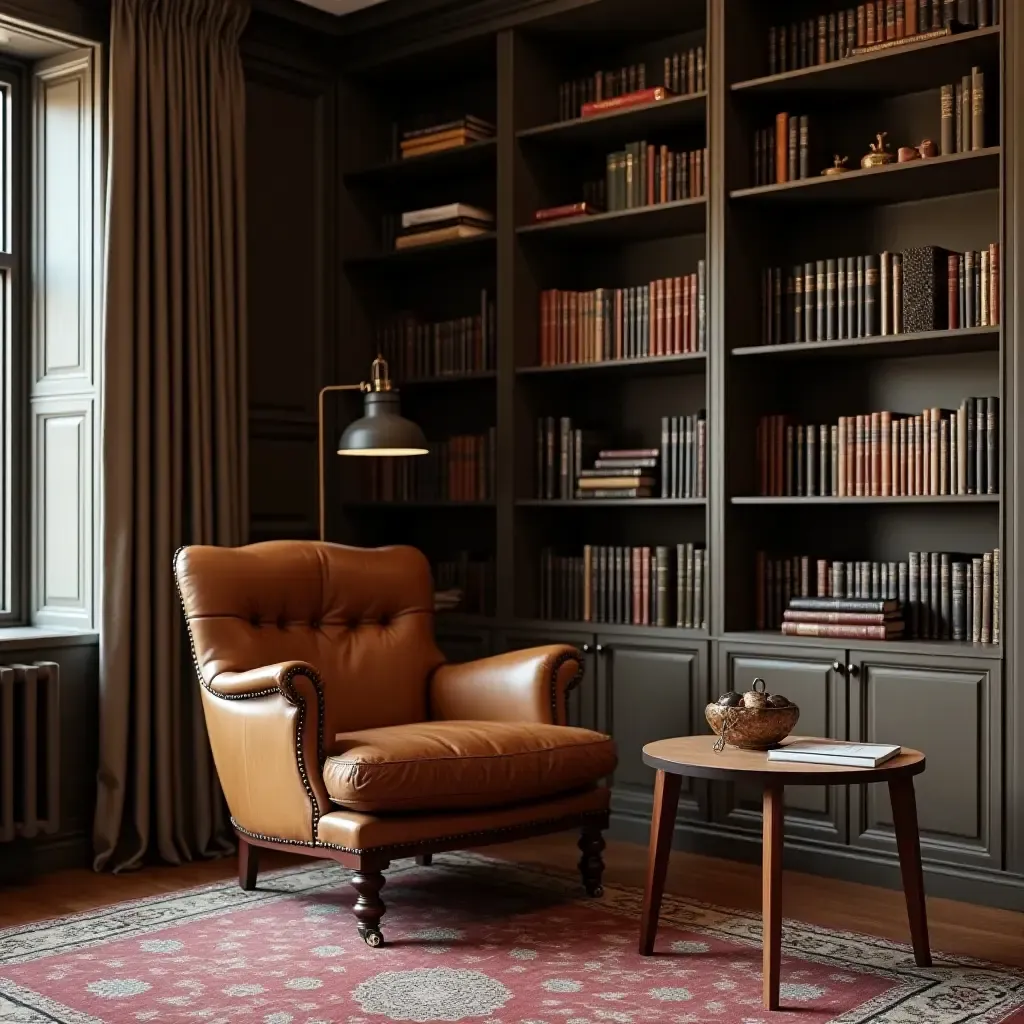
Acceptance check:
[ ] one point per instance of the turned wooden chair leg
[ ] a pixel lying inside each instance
(663, 823)
(248, 865)
(425, 860)
(369, 907)
(908, 843)
(771, 895)
(591, 844)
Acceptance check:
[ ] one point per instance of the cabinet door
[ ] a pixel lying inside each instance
(458, 644)
(952, 711)
(815, 680)
(653, 690)
(582, 707)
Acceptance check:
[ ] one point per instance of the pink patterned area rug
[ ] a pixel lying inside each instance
(470, 938)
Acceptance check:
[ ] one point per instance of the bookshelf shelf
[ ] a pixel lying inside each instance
(462, 248)
(922, 648)
(953, 174)
(889, 346)
(376, 506)
(471, 158)
(444, 380)
(690, 362)
(610, 128)
(662, 220)
(612, 629)
(907, 68)
(611, 502)
(917, 499)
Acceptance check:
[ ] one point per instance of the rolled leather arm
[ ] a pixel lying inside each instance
(266, 731)
(521, 686)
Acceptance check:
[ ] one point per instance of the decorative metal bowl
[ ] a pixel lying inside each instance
(752, 728)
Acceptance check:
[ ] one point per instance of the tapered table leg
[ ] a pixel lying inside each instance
(908, 843)
(663, 820)
(771, 895)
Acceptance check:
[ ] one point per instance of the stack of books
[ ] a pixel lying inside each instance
(435, 138)
(843, 618)
(620, 473)
(442, 224)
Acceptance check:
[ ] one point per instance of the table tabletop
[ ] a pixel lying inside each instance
(696, 757)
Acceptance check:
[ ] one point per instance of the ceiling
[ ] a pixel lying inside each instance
(341, 6)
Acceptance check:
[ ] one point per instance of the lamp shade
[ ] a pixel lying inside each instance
(382, 430)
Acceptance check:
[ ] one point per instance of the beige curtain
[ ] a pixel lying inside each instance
(174, 419)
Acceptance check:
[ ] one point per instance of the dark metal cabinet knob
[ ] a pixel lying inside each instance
(852, 669)
(585, 648)
(600, 648)
(837, 666)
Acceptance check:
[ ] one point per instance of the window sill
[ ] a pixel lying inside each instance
(19, 638)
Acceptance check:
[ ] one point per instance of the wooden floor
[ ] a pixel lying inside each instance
(955, 927)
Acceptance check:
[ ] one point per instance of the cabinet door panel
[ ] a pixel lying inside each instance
(582, 706)
(807, 677)
(654, 691)
(951, 711)
(463, 644)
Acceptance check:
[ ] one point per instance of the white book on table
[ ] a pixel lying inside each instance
(853, 755)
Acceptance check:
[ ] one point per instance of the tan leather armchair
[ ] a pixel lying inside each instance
(339, 730)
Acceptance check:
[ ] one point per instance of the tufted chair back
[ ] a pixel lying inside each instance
(363, 617)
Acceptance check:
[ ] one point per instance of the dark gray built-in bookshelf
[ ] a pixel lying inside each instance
(958, 701)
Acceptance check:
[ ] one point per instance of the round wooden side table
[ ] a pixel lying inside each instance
(695, 756)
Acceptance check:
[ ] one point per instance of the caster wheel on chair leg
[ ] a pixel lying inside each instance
(372, 937)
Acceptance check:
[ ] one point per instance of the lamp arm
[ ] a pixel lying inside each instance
(361, 386)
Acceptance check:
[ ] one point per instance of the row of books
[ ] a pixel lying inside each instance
(446, 133)
(942, 595)
(466, 583)
(840, 618)
(435, 224)
(782, 151)
(639, 586)
(880, 454)
(416, 349)
(684, 456)
(460, 468)
(921, 289)
(683, 72)
(873, 25)
(643, 174)
(963, 114)
(665, 317)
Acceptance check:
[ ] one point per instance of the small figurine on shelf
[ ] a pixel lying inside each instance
(928, 149)
(907, 153)
(879, 154)
(838, 165)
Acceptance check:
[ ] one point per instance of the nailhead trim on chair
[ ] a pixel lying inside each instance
(573, 655)
(286, 690)
(590, 817)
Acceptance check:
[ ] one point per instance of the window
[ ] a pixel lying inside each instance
(11, 347)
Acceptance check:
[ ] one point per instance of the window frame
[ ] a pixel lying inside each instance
(15, 261)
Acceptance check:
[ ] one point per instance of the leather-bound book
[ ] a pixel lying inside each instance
(888, 631)
(949, 8)
(841, 298)
(947, 129)
(945, 598)
(871, 295)
(871, 28)
(958, 116)
(971, 312)
(977, 108)
(804, 147)
(953, 291)
(943, 456)
(966, 116)
(936, 7)
(781, 147)
(965, 15)
(821, 300)
(890, 19)
(822, 37)
(794, 482)
(861, 31)
(958, 600)
(913, 606)
(991, 445)
(861, 310)
(924, 622)
(810, 303)
(841, 460)
(697, 614)
(984, 13)
(984, 277)
(935, 596)
(850, 331)
(797, 324)
(885, 292)
(981, 445)
(885, 453)
(910, 14)
(831, 306)
(977, 591)
(896, 325)
(996, 600)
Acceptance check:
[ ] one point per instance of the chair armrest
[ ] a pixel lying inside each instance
(266, 732)
(521, 686)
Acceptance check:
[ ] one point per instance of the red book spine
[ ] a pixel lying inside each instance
(677, 315)
(658, 317)
(645, 596)
(693, 312)
(885, 439)
(911, 17)
(781, 147)
(953, 293)
(838, 618)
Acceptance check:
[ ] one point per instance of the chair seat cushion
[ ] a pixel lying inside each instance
(429, 766)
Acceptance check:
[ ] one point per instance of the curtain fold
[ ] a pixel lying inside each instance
(174, 409)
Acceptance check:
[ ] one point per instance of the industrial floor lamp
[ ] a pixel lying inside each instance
(381, 430)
